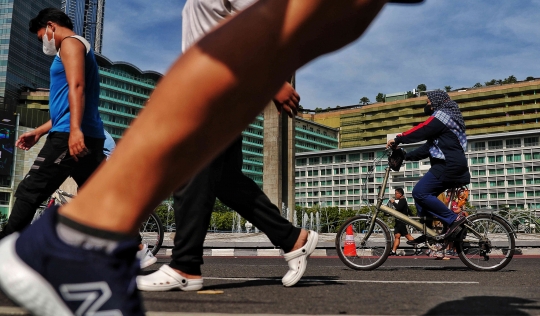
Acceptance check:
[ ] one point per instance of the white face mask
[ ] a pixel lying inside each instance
(49, 47)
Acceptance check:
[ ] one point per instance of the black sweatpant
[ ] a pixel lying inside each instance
(223, 179)
(50, 169)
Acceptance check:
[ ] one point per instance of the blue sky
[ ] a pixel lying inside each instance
(439, 43)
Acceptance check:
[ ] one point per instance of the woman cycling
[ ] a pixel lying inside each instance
(446, 143)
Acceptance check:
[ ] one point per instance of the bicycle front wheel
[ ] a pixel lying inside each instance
(491, 246)
(360, 255)
(152, 232)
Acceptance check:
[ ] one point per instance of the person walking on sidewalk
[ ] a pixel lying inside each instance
(224, 179)
(74, 146)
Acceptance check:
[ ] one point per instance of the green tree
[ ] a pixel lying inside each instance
(421, 87)
(529, 78)
(491, 82)
(317, 110)
(447, 88)
(477, 85)
(410, 95)
(510, 79)
(379, 97)
(364, 101)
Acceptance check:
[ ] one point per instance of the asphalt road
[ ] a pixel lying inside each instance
(402, 286)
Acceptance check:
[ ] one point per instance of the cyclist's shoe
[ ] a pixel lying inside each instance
(166, 279)
(48, 277)
(146, 257)
(455, 228)
(297, 260)
(417, 240)
(392, 253)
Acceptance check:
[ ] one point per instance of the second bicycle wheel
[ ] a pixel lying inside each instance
(492, 245)
(363, 256)
(152, 232)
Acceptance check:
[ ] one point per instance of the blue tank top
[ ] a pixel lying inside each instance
(91, 124)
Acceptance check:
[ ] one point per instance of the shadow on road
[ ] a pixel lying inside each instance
(485, 305)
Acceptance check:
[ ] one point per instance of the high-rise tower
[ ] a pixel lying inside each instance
(22, 62)
(87, 17)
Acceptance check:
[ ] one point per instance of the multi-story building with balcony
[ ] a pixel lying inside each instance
(309, 136)
(504, 156)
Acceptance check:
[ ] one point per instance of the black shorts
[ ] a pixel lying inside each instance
(400, 228)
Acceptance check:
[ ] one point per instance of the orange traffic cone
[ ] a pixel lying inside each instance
(349, 249)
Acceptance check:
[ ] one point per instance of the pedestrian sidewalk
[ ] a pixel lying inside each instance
(258, 244)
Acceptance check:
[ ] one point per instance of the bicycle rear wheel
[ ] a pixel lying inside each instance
(152, 232)
(493, 249)
(372, 253)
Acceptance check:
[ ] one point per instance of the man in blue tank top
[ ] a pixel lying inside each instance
(74, 146)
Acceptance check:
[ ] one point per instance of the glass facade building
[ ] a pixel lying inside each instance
(124, 89)
(22, 62)
(87, 17)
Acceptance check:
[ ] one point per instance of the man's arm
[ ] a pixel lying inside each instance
(29, 139)
(73, 53)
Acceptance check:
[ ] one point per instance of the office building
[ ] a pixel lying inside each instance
(87, 17)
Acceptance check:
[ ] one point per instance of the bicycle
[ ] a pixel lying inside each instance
(151, 230)
(486, 241)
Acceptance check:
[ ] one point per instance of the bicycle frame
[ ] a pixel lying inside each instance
(402, 217)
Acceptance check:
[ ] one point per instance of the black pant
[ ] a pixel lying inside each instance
(223, 179)
(50, 169)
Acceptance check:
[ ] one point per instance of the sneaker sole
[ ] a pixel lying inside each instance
(147, 263)
(25, 286)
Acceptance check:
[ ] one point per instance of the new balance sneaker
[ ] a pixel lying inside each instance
(47, 277)
(146, 257)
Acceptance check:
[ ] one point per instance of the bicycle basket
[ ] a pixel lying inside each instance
(396, 159)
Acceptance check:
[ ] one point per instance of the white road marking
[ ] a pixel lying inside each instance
(349, 281)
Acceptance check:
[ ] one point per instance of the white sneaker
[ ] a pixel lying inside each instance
(166, 279)
(146, 257)
(297, 260)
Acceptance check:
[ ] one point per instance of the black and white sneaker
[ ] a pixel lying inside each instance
(48, 277)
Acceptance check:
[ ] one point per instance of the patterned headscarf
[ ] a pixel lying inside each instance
(447, 111)
(440, 101)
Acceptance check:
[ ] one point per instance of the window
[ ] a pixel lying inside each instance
(314, 161)
(301, 162)
(479, 172)
(495, 158)
(495, 144)
(353, 181)
(499, 183)
(513, 143)
(340, 158)
(478, 160)
(496, 171)
(339, 170)
(530, 141)
(353, 170)
(336, 182)
(532, 156)
(533, 181)
(480, 184)
(354, 157)
(312, 173)
(368, 156)
(380, 168)
(326, 159)
(532, 169)
(515, 157)
(514, 170)
(478, 146)
(515, 182)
